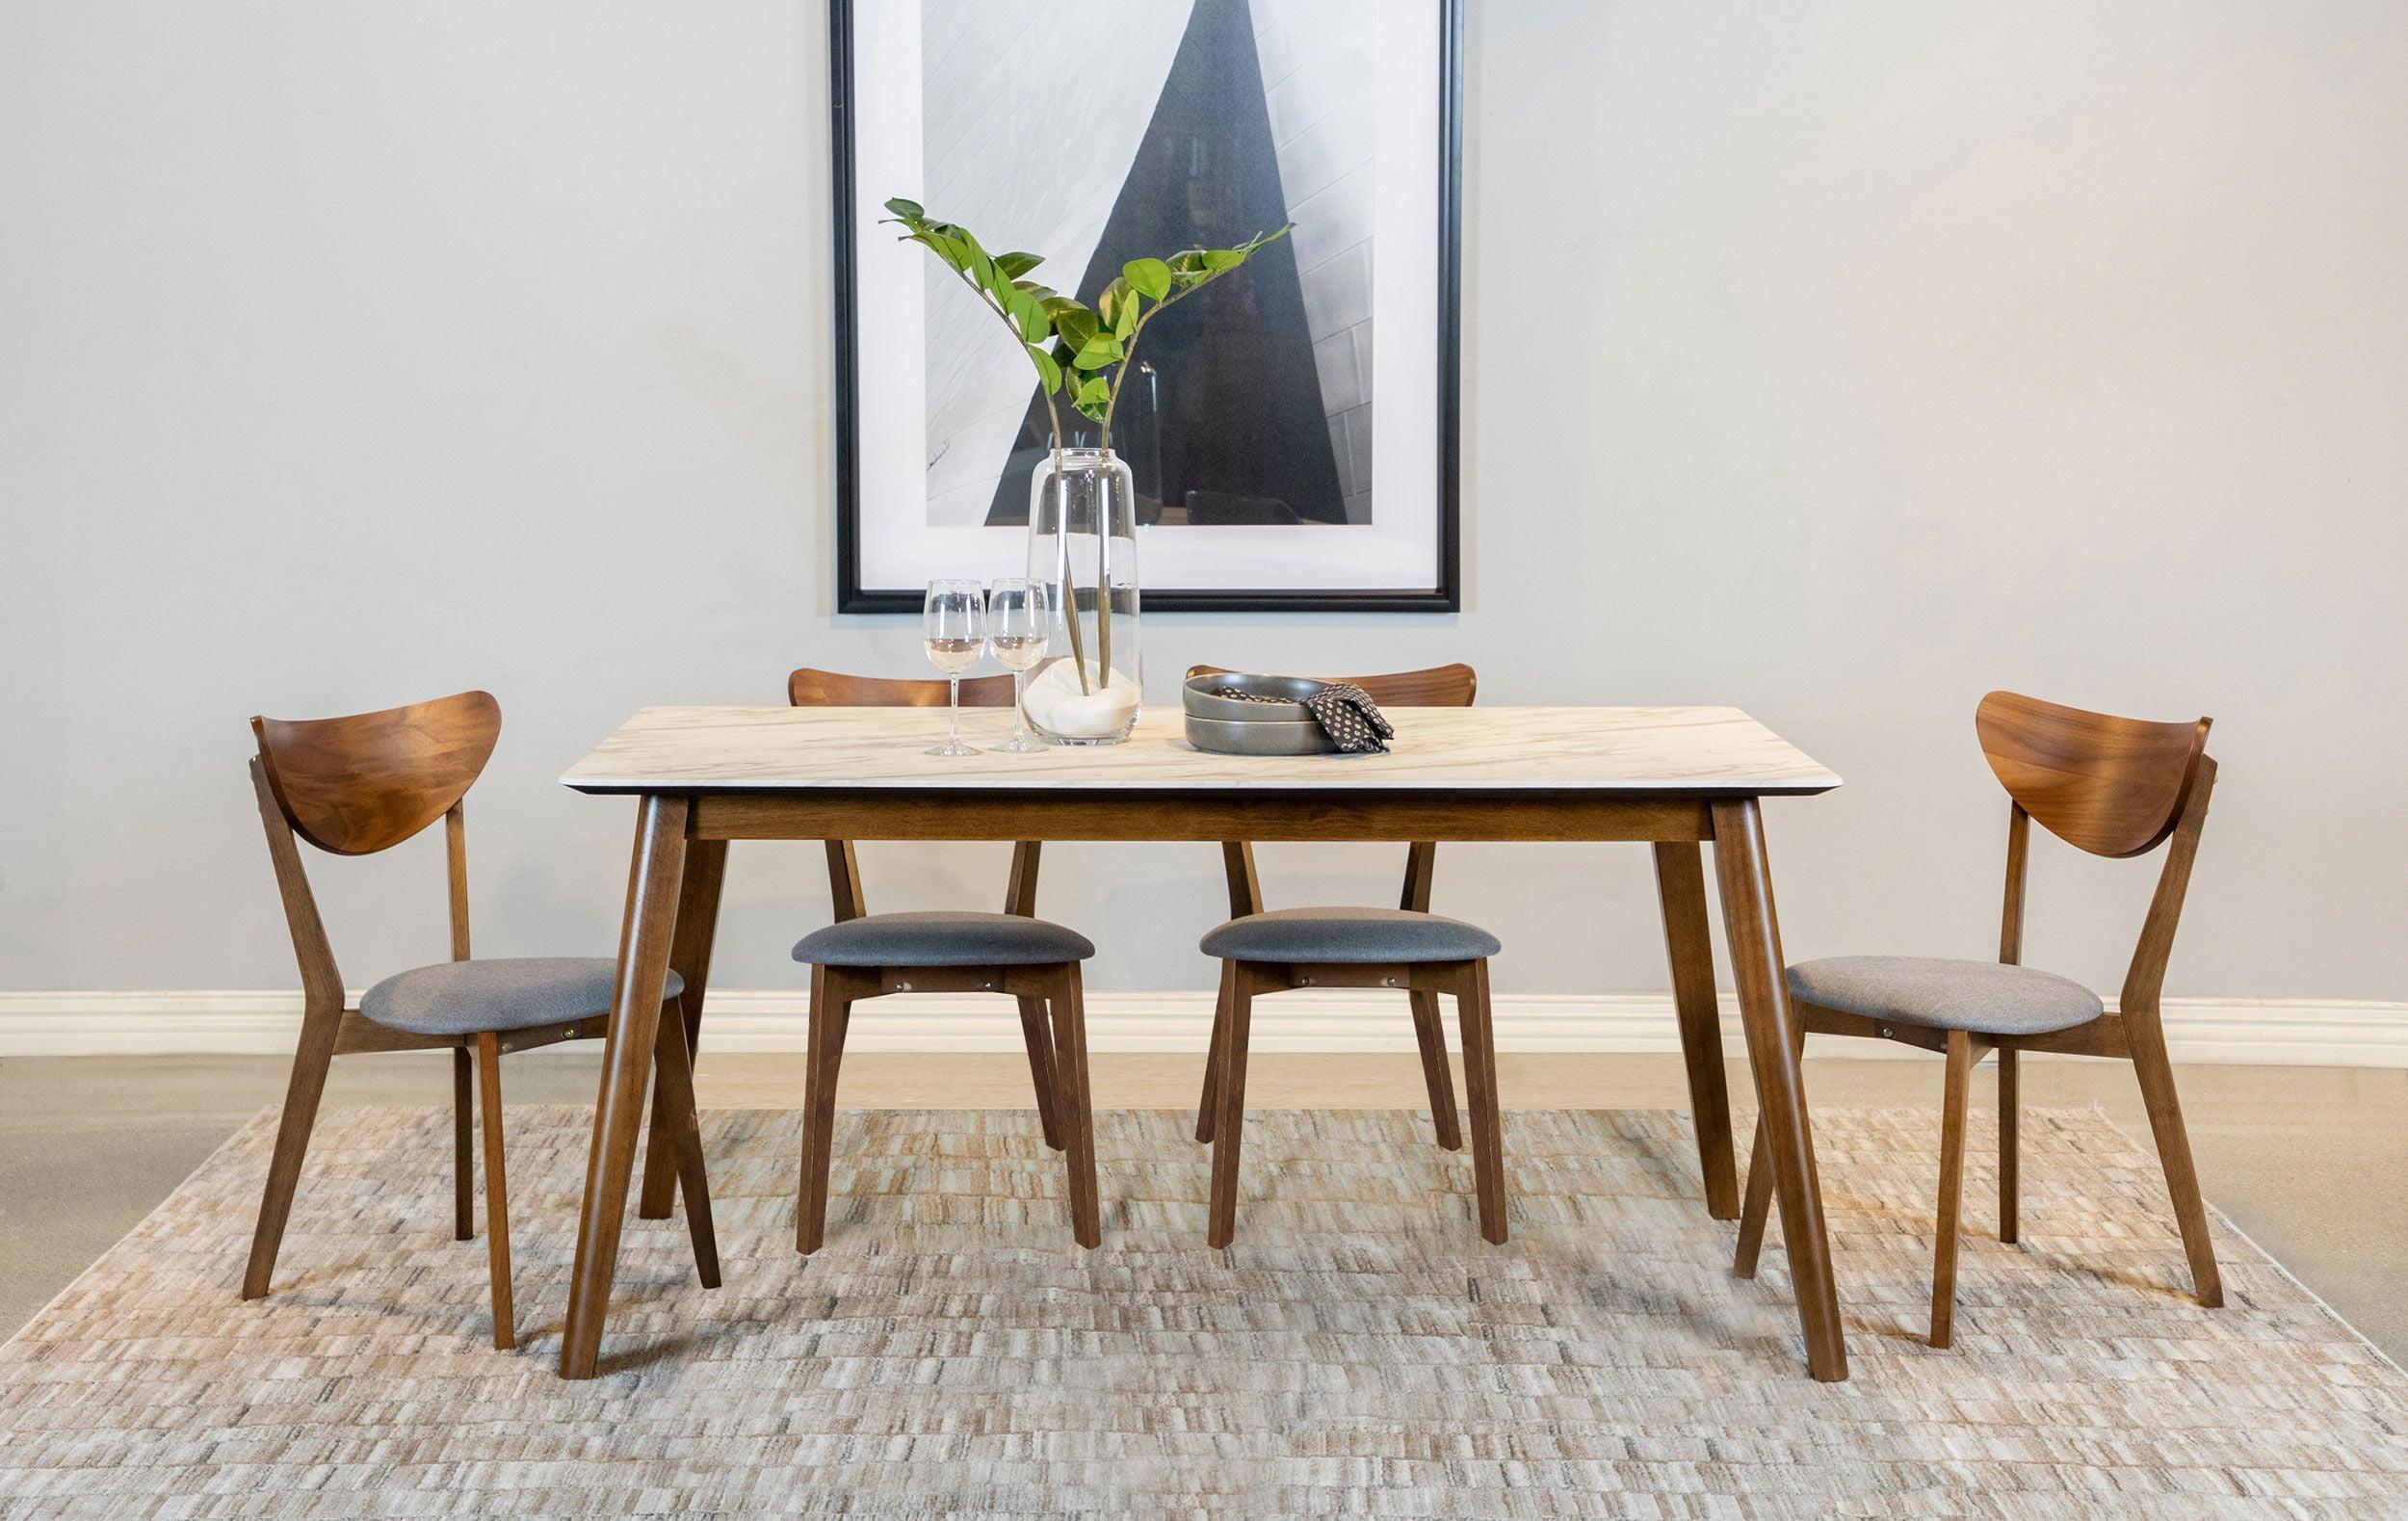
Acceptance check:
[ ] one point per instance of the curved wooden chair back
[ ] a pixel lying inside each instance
(812, 688)
(2110, 786)
(1436, 687)
(364, 783)
(360, 784)
(2114, 787)
(809, 688)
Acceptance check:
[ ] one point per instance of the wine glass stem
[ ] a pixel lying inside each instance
(953, 715)
(1019, 720)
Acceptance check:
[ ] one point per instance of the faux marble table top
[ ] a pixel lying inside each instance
(1693, 751)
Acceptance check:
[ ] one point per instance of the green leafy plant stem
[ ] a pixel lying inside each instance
(1053, 422)
(1099, 344)
(1129, 348)
(1120, 374)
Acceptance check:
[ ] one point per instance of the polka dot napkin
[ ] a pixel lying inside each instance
(1343, 711)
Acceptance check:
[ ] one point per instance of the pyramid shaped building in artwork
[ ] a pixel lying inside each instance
(1223, 423)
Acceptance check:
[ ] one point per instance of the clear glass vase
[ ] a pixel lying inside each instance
(1083, 545)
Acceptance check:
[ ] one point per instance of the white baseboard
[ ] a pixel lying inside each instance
(2275, 1033)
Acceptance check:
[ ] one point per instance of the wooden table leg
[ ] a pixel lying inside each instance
(690, 958)
(653, 884)
(1681, 888)
(1755, 935)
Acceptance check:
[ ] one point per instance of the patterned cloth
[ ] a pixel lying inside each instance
(1351, 720)
(1343, 709)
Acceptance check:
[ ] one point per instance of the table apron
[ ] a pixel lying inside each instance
(899, 814)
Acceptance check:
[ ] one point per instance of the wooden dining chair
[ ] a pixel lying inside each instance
(1438, 687)
(864, 955)
(2108, 786)
(1422, 955)
(364, 783)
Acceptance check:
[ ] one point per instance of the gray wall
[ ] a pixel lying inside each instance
(1838, 361)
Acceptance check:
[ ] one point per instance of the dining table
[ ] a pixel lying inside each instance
(1673, 777)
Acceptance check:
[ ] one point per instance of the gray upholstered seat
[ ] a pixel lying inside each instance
(1349, 935)
(1988, 998)
(943, 938)
(459, 998)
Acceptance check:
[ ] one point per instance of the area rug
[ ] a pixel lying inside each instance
(1359, 1351)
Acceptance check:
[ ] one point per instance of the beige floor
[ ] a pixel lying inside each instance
(2311, 1161)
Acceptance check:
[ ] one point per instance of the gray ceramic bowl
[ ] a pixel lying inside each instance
(1291, 691)
(1278, 737)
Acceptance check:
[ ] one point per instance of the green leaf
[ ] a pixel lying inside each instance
(1120, 308)
(908, 210)
(1094, 388)
(1046, 369)
(1098, 352)
(1151, 277)
(981, 268)
(1222, 260)
(1092, 411)
(940, 246)
(965, 246)
(1076, 325)
(1016, 265)
(1024, 310)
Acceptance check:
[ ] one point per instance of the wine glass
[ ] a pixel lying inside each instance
(1016, 629)
(953, 624)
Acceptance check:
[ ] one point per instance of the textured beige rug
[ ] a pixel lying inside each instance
(1359, 1351)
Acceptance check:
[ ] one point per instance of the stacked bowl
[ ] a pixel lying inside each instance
(1269, 719)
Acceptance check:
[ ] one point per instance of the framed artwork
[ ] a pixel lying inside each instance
(1292, 429)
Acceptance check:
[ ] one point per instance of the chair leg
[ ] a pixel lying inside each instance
(1755, 1207)
(1229, 1122)
(2010, 1126)
(682, 1123)
(1960, 1080)
(2156, 1072)
(1480, 1078)
(1074, 1108)
(464, 1146)
(1041, 1067)
(309, 1081)
(819, 1107)
(1208, 1107)
(496, 1191)
(1432, 1038)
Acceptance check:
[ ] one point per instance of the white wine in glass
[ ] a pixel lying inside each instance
(953, 625)
(1017, 627)
(953, 655)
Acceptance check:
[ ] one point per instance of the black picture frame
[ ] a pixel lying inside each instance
(1447, 596)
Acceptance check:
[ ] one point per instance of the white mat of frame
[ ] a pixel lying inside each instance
(1359, 1350)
